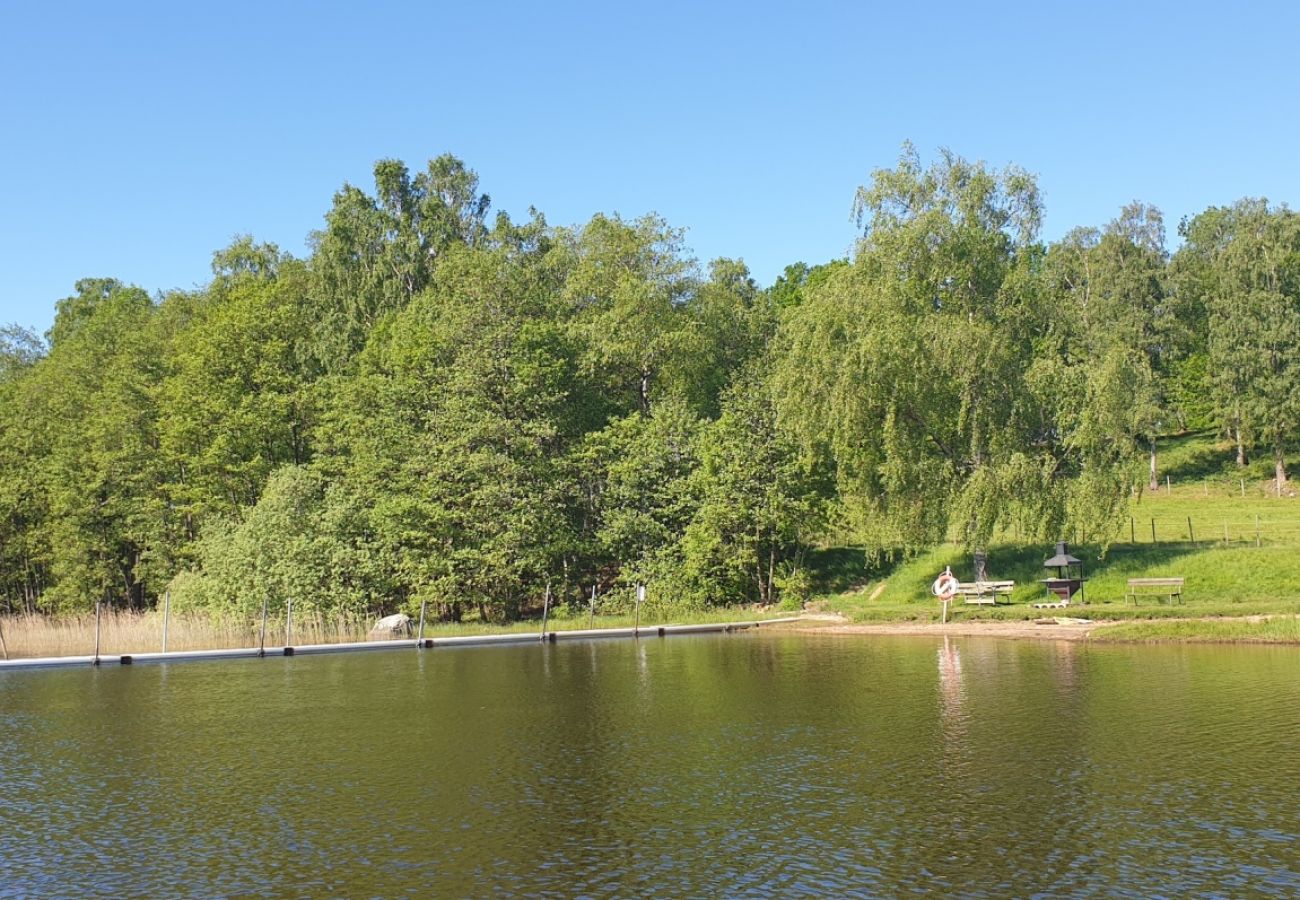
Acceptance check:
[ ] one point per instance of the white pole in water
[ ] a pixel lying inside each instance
(167, 614)
(640, 598)
(288, 622)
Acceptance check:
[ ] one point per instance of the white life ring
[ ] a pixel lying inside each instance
(944, 587)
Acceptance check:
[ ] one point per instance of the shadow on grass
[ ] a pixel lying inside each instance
(836, 570)
(1200, 455)
(1194, 456)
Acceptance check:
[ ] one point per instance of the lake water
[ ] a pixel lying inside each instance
(738, 765)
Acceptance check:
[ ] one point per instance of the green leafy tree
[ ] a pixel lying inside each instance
(1111, 318)
(377, 253)
(759, 505)
(1243, 263)
(647, 496)
(235, 404)
(98, 474)
(302, 541)
(907, 370)
(627, 284)
(457, 427)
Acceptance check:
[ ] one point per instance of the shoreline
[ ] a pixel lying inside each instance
(1022, 630)
(1183, 630)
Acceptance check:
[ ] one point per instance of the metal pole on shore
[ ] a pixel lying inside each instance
(288, 622)
(97, 605)
(261, 644)
(591, 619)
(640, 597)
(419, 638)
(167, 615)
(3, 649)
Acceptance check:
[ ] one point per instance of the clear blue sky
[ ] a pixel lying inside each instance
(138, 138)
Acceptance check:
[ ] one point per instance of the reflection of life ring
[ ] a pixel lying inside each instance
(944, 587)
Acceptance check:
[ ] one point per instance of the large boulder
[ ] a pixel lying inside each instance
(395, 626)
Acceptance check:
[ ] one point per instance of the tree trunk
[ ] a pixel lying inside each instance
(1155, 477)
(645, 390)
(1241, 448)
(1279, 466)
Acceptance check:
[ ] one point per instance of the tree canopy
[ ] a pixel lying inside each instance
(438, 406)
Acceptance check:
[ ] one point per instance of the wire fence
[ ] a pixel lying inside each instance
(1197, 531)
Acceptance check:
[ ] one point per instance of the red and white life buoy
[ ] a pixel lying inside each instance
(945, 586)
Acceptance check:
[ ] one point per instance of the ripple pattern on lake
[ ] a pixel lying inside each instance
(744, 765)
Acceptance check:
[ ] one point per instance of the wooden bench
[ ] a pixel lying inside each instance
(1155, 587)
(985, 592)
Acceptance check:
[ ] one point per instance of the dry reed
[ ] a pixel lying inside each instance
(27, 636)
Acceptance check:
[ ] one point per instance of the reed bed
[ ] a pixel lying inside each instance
(124, 632)
(28, 636)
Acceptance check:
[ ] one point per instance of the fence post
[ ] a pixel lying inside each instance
(167, 615)
(1168, 487)
(1256, 529)
(1225, 534)
(288, 621)
(1132, 531)
(1191, 535)
(97, 605)
(1153, 531)
(3, 649)
(1243, 487)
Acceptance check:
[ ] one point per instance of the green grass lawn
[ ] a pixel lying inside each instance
(1223, 578)
(1253, 630)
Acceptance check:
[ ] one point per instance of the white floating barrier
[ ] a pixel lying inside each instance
(428, 643)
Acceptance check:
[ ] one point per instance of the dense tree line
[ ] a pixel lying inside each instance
(439, 406)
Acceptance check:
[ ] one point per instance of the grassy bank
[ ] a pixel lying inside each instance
(1251, 630)
(1225, 530)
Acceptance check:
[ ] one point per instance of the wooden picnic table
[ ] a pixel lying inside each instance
(984, 592)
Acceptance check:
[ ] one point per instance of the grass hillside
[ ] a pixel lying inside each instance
(1226, 531)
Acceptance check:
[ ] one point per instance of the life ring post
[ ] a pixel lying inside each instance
(945, 587)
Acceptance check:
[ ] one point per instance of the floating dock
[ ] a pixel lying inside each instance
(428, 643)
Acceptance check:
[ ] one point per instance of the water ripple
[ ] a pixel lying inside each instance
(741, 766)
